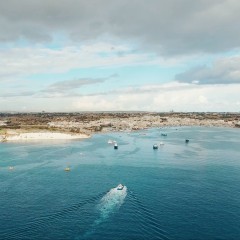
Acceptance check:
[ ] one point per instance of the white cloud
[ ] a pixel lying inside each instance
(17, 62)
(166, 27)
(179, 97)
(190, 98)
(224, 70)
(105, 34)
(158, 97)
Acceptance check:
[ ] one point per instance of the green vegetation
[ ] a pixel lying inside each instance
(2, 131)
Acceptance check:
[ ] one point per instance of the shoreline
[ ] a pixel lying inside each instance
(60, 126)
(43, 136)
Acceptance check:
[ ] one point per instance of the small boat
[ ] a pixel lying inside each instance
(155, 146)
(120, 187)
(110, 141)
(67, 169)
(163, 134)
(11, 168)
(187, 141)
(115, 146)
(161, 143)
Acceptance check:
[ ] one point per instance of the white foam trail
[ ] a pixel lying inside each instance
(110, 203)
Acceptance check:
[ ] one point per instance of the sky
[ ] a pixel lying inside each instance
(109, 55)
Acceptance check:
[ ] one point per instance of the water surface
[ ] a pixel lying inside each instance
(180, 191)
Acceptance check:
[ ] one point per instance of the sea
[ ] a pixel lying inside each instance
(179, 191)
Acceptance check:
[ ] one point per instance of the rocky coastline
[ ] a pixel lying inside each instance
(75, 124)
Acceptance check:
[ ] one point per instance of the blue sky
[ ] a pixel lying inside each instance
(105, 56)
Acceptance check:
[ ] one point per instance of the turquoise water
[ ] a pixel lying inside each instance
(180, 191)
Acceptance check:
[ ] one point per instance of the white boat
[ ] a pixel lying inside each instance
(120, 187)
(110, 141)
(155, 146)
(67, 169)
(161, 143)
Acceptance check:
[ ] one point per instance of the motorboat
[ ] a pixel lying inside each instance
(110, 141)
(155, 146)
(163, 134)
(67, 169)
(161, 143)
(120, 187)
(115, 146)
(187, 141)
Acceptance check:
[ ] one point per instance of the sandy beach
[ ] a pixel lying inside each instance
(28, 136)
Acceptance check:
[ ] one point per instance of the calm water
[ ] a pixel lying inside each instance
(180, 191)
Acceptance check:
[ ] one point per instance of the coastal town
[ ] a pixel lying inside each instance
(27, 126)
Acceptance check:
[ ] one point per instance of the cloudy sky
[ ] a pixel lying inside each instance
(109, 55)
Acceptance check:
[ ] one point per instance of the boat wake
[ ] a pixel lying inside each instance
(108, 205)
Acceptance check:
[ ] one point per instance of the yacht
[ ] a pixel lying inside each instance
(120, 187)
